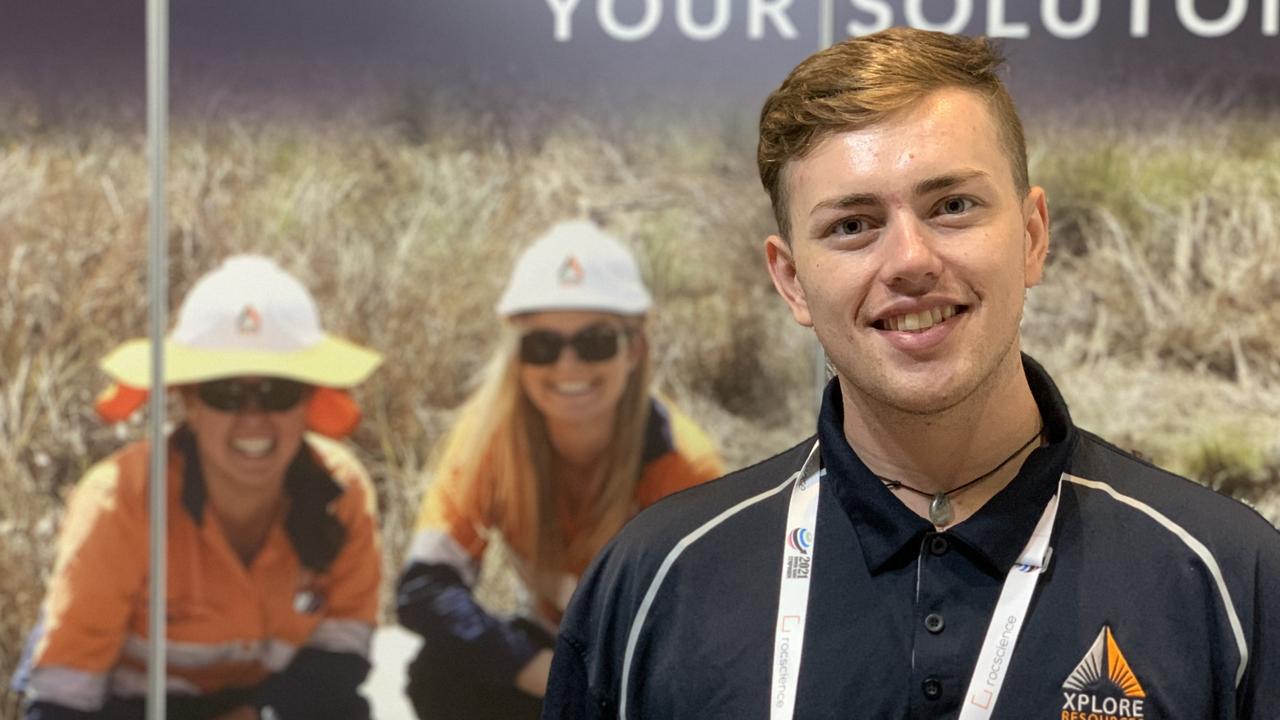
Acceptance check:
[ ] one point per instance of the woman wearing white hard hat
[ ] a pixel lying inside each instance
(561, 443)
(273, 560)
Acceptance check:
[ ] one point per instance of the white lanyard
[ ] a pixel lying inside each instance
(1007, 620)
(793, 601)
(793, 594)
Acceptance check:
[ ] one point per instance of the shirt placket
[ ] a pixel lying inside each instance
(944, 630)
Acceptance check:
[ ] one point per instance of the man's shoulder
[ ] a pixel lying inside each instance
(1131, 484)
(699, 514)
(675, 537)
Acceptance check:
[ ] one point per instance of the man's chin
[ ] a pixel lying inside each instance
(923, 395)
(924, 403)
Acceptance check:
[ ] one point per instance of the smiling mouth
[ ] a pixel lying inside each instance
(253, 447)
(920, 321)
(572, 389)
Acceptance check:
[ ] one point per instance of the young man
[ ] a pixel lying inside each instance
(950, 544)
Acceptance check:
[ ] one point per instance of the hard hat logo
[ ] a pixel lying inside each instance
(575, 266)
(249, 322)
(570, 272)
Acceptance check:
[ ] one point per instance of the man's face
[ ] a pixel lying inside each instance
(911, 251)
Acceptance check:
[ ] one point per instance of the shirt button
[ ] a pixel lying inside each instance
(934, 623)
(932, 688)
(938, 545)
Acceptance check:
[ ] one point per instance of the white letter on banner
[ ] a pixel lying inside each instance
(563, 10)
(694, 31)
(777, 12)
(618, 31)
(879, 8)
(1053, 22)
(996, 25)
(1271, 17)
(959, 18)
(1229, 21)
(1140, 18)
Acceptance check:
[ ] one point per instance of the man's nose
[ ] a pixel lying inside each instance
(910, 265)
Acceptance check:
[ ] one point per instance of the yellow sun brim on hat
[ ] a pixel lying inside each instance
(332, 362)
(332, 365)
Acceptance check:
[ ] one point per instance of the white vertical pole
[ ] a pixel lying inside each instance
(157, 287)
(826, 24)
(826, 36)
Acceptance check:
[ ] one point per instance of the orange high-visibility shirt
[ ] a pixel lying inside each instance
(455, 523)
(229, 625)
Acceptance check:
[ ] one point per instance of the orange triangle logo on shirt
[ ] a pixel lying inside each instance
(1103, 684)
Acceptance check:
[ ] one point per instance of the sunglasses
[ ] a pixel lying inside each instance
(270, 394)
(594, 343)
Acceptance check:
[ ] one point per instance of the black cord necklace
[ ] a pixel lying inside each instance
(940, 510)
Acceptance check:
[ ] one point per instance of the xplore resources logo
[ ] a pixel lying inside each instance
(1103, 686)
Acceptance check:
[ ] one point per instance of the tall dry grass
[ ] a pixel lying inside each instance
(1160, 312)
(1163, 295)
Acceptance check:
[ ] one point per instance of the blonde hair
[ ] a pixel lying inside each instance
(500, 438)
(863, 81)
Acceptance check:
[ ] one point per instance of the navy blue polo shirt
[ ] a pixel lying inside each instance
(1161, 598)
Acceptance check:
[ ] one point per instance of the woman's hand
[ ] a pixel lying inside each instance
(532, 678)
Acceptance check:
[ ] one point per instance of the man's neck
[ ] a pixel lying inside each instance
(942, 451)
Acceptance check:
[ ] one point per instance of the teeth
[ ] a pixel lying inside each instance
(923, 320)
(253, 447)
(573, 388)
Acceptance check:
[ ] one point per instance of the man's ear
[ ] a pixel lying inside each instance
(782, 268)
(1035, 241)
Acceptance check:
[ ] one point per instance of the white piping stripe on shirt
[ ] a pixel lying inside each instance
(1197, 547)
(638, 622)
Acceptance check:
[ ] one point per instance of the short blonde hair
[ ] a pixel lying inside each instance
(863, 81)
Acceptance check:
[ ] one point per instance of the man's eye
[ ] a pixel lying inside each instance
(955, 206)
(850, 226)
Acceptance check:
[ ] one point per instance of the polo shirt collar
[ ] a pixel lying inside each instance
(888, 530)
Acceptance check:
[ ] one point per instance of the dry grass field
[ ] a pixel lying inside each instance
(1160, 315)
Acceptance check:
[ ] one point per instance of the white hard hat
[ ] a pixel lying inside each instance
(575, 266)
(248, 317)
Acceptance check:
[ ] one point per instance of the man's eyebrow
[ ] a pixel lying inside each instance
(946, 182)
(846, 201)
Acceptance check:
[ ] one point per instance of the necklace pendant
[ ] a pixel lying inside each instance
(940, 513)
